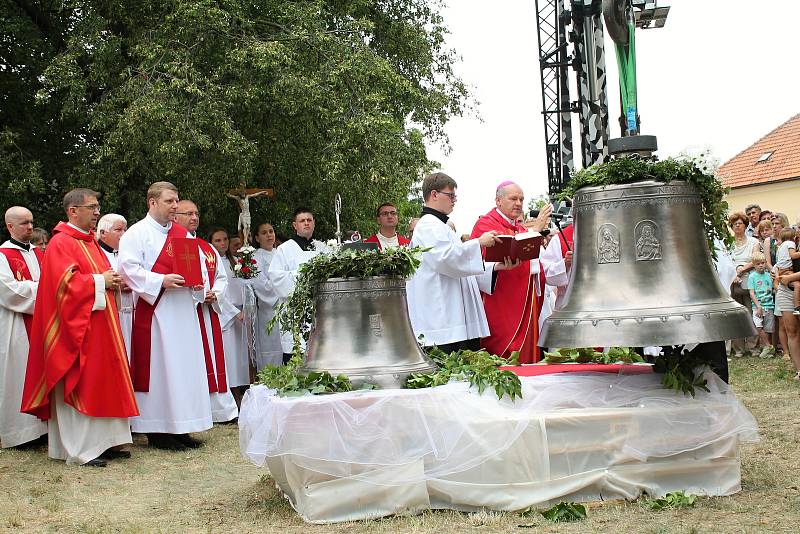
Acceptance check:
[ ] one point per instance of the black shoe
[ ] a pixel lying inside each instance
(113, 454)
(166, 442)
(188, 441)
(97, 462)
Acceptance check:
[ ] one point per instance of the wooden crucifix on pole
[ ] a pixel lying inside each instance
(243, 196)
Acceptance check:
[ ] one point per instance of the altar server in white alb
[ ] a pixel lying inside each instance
(110, 228)
(444, 300)
(288, 259)
(235, 338)
(268, 344)
(209, 312)
(19, 280)
(167, 359)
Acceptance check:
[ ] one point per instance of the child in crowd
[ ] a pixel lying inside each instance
(764, 231)
(783, 262)
(760, 283)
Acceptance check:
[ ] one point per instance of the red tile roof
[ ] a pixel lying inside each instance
(784, 164)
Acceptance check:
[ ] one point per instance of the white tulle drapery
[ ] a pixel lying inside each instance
(580, 436)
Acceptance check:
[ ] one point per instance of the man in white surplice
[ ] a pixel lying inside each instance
(223, 405)
(444, 301)
(172, 394)
(110, 228)
(288, 258)
(17, 299)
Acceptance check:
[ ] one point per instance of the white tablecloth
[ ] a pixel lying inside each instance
(572, 436)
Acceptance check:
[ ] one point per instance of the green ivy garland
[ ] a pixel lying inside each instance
(628, 170)
(297, 313)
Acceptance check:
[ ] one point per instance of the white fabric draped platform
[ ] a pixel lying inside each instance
(575, 437)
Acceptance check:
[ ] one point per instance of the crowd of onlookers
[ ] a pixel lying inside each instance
(765, 252)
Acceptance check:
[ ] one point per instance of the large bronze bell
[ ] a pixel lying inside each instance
(362, 330)
(642, 273)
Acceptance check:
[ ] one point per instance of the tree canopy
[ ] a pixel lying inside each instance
(309, 98)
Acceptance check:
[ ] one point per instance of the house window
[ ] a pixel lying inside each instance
(764, 157)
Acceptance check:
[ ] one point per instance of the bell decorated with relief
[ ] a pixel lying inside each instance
(362, 330)
(642, 273)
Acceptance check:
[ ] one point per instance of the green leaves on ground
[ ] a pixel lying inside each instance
(672, 500)
(479, 368)
(589, 355)
(628, 170)
(565, 512)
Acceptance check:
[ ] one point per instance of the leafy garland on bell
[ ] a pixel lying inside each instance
(296, 315)
(629, 170)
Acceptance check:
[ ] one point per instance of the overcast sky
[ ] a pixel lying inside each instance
(720, 74)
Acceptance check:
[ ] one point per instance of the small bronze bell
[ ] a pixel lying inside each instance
(362, 330)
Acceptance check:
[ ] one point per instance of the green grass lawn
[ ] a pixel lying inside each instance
(214, 490)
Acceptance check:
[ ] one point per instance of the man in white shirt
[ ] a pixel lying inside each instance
(19, 281)
(444, 302)
(289, 256)
(753, 212)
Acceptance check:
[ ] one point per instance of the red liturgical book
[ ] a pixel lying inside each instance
(517, 247)
(186, 260)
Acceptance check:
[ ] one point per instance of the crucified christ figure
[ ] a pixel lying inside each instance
(243, 196)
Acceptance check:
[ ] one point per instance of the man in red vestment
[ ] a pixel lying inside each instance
(19, 280)
(77, 374)
(387, 236)
(512, 309)
(223, 405)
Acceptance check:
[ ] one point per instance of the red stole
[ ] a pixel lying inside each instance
(512, 311)
(141, 335)
(70, 341)
(19, 268)
(218, 383)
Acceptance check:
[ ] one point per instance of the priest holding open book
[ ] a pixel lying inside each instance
(513, 307)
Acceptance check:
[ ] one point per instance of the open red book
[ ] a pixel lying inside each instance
(517, 247)
(186, 260)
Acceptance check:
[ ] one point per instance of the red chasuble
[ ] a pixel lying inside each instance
(19, 267)
(69, 341)
(512, 310)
